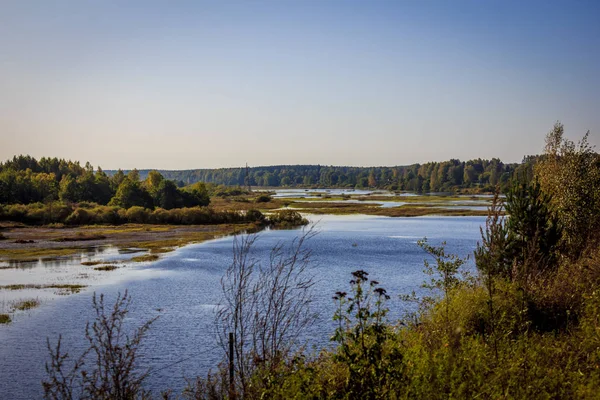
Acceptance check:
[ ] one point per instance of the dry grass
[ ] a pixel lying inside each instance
(98, 262)
(156, 238)
(34, 254)
(374, 209)
(80, 238)
(65, 287)
(26, 304)
(145, 257)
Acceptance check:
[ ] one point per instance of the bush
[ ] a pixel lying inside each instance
(287, 218)
(79, 217)
(137, 215)
(108, 368)
(263, 198)
(254, 215)
(107, 215)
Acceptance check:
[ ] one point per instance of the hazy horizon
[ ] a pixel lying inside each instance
(188, 85)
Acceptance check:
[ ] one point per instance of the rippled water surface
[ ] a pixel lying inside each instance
(183, 289)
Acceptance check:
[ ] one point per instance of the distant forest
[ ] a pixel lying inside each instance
(446, 176)
(25, 180)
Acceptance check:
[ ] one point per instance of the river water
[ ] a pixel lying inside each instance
(183, 288)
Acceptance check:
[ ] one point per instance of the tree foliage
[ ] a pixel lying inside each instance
(24, 180)
(571, 174)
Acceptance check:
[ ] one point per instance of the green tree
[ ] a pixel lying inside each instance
(197, 195)
(167, 195)
(131, 193)
(102, 189)
(570, 173)
(533, 230)
(69, 190)
(153, 181)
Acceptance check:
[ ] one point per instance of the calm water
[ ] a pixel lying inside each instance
(183, 288)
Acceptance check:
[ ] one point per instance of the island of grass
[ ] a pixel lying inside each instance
(109, 267)
(27, 304)
(69, 288)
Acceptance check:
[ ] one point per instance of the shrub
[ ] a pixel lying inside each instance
(263, 198)
(137, 215)
(287, 218)
(79, 217)
(255, 215)
(362, 335)
(108, 368)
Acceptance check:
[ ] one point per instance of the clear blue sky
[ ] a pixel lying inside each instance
(193, 84)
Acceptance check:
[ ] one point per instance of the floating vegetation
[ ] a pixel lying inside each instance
(129, 251)
(4, 319)
(145, 257)
(62, 287)
(33, 254)
(28, 304)
(97, 262)
(106, 268)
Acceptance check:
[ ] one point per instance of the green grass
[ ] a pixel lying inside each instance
(4, 319)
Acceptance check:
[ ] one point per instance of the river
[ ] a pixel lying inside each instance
(183, 288)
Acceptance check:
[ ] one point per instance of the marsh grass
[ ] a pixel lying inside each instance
(27, 304)
(72, 288)
(5, 319)
(97, 262)
(375, 209)
(145, 257)
(33, 254)
(106, 268)
(80, 237)
(129, 236)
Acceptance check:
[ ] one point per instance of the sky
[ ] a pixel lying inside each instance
(195, 84)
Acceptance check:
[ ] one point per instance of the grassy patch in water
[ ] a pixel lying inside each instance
(374, 209)
(65, 287)
(106, 268)
(26, 304)
(145, 257)
(4, 319)
(182, 238)
(97, 262)
(33, 254)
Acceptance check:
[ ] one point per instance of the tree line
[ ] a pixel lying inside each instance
(445, 176)
(25, 180)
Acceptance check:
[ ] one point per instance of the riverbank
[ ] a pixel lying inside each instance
(24, 243)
